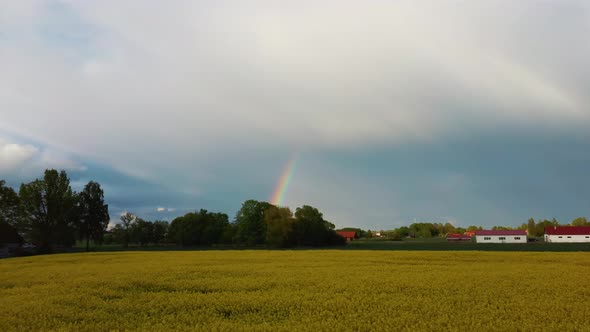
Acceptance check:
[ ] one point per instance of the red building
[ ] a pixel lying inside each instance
(458, 237)
(348, 235)
(570, 234)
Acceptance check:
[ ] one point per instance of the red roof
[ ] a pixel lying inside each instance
(501, 232)
(457, 236)
(567, 230)
(347, 234)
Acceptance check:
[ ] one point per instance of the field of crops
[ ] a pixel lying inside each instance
(296, 290)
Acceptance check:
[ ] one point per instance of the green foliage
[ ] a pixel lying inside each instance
(142, 232)
(9, 205)
(160, 230)
(127, 221)
(279, 226)
(310, 229)
(93, 214)
(49, 210)
(9, 234)
(199, 228)
(250, 225)
(581, 221)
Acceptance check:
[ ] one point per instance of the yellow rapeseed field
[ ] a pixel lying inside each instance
(315, 290)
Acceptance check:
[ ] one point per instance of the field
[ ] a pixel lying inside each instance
(311, 290)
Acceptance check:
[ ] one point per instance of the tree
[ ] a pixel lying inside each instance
(9, 234)
(279, 226)
(581, 221)
(49, 210)
(160, 230)
(127, 220)
(199, 228)
(531, 227)
(541, 225)
(250, 225)
(310, 229)
(118, 234)
(94, 214)
(9, 205)
(403, 232)
(142, 231)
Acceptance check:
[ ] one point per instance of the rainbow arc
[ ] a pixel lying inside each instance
(284, 180)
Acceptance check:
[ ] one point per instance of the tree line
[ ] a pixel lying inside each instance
(430, 230)
(48, 213)
(255, 224)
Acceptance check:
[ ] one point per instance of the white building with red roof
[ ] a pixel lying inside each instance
(500, 236)
(568, 234)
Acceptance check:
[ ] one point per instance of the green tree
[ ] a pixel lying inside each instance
(199, 228)
(581, 221)
(127, 220)
(142, 232)
(541, 225)
(310, 229)
(250, 225)
(403, 232)
(49, 210)
(447, 229)
(93, 214)
(160, 230)
(118, 234)
(9, 205)
(279, 226)
(531, 227)
(9, 234)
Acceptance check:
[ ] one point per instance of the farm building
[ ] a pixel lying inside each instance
(348, 235)
(500, 236)
(469, 233)
(569, 234)
(458, 237)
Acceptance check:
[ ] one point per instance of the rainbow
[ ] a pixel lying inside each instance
(284, 181)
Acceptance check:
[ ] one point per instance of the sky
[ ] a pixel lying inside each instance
(386, 112)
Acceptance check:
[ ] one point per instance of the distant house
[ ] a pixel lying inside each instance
(500, 236)
(458, 237)
(570, 234)
(348, 235)
(469, 233)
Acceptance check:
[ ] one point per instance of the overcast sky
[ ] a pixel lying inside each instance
(473, 112)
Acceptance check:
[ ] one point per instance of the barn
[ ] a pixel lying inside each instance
(348, 235)
(567, 234)
(458, 237)
(500, 236)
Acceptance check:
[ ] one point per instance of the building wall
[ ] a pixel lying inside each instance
(567, 238)
(500, 239)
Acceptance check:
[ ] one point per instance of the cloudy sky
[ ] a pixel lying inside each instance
(474, 112)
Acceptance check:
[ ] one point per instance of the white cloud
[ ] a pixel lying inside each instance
(28, 160)
(161, 209)
(194, 83)
(15, 156)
